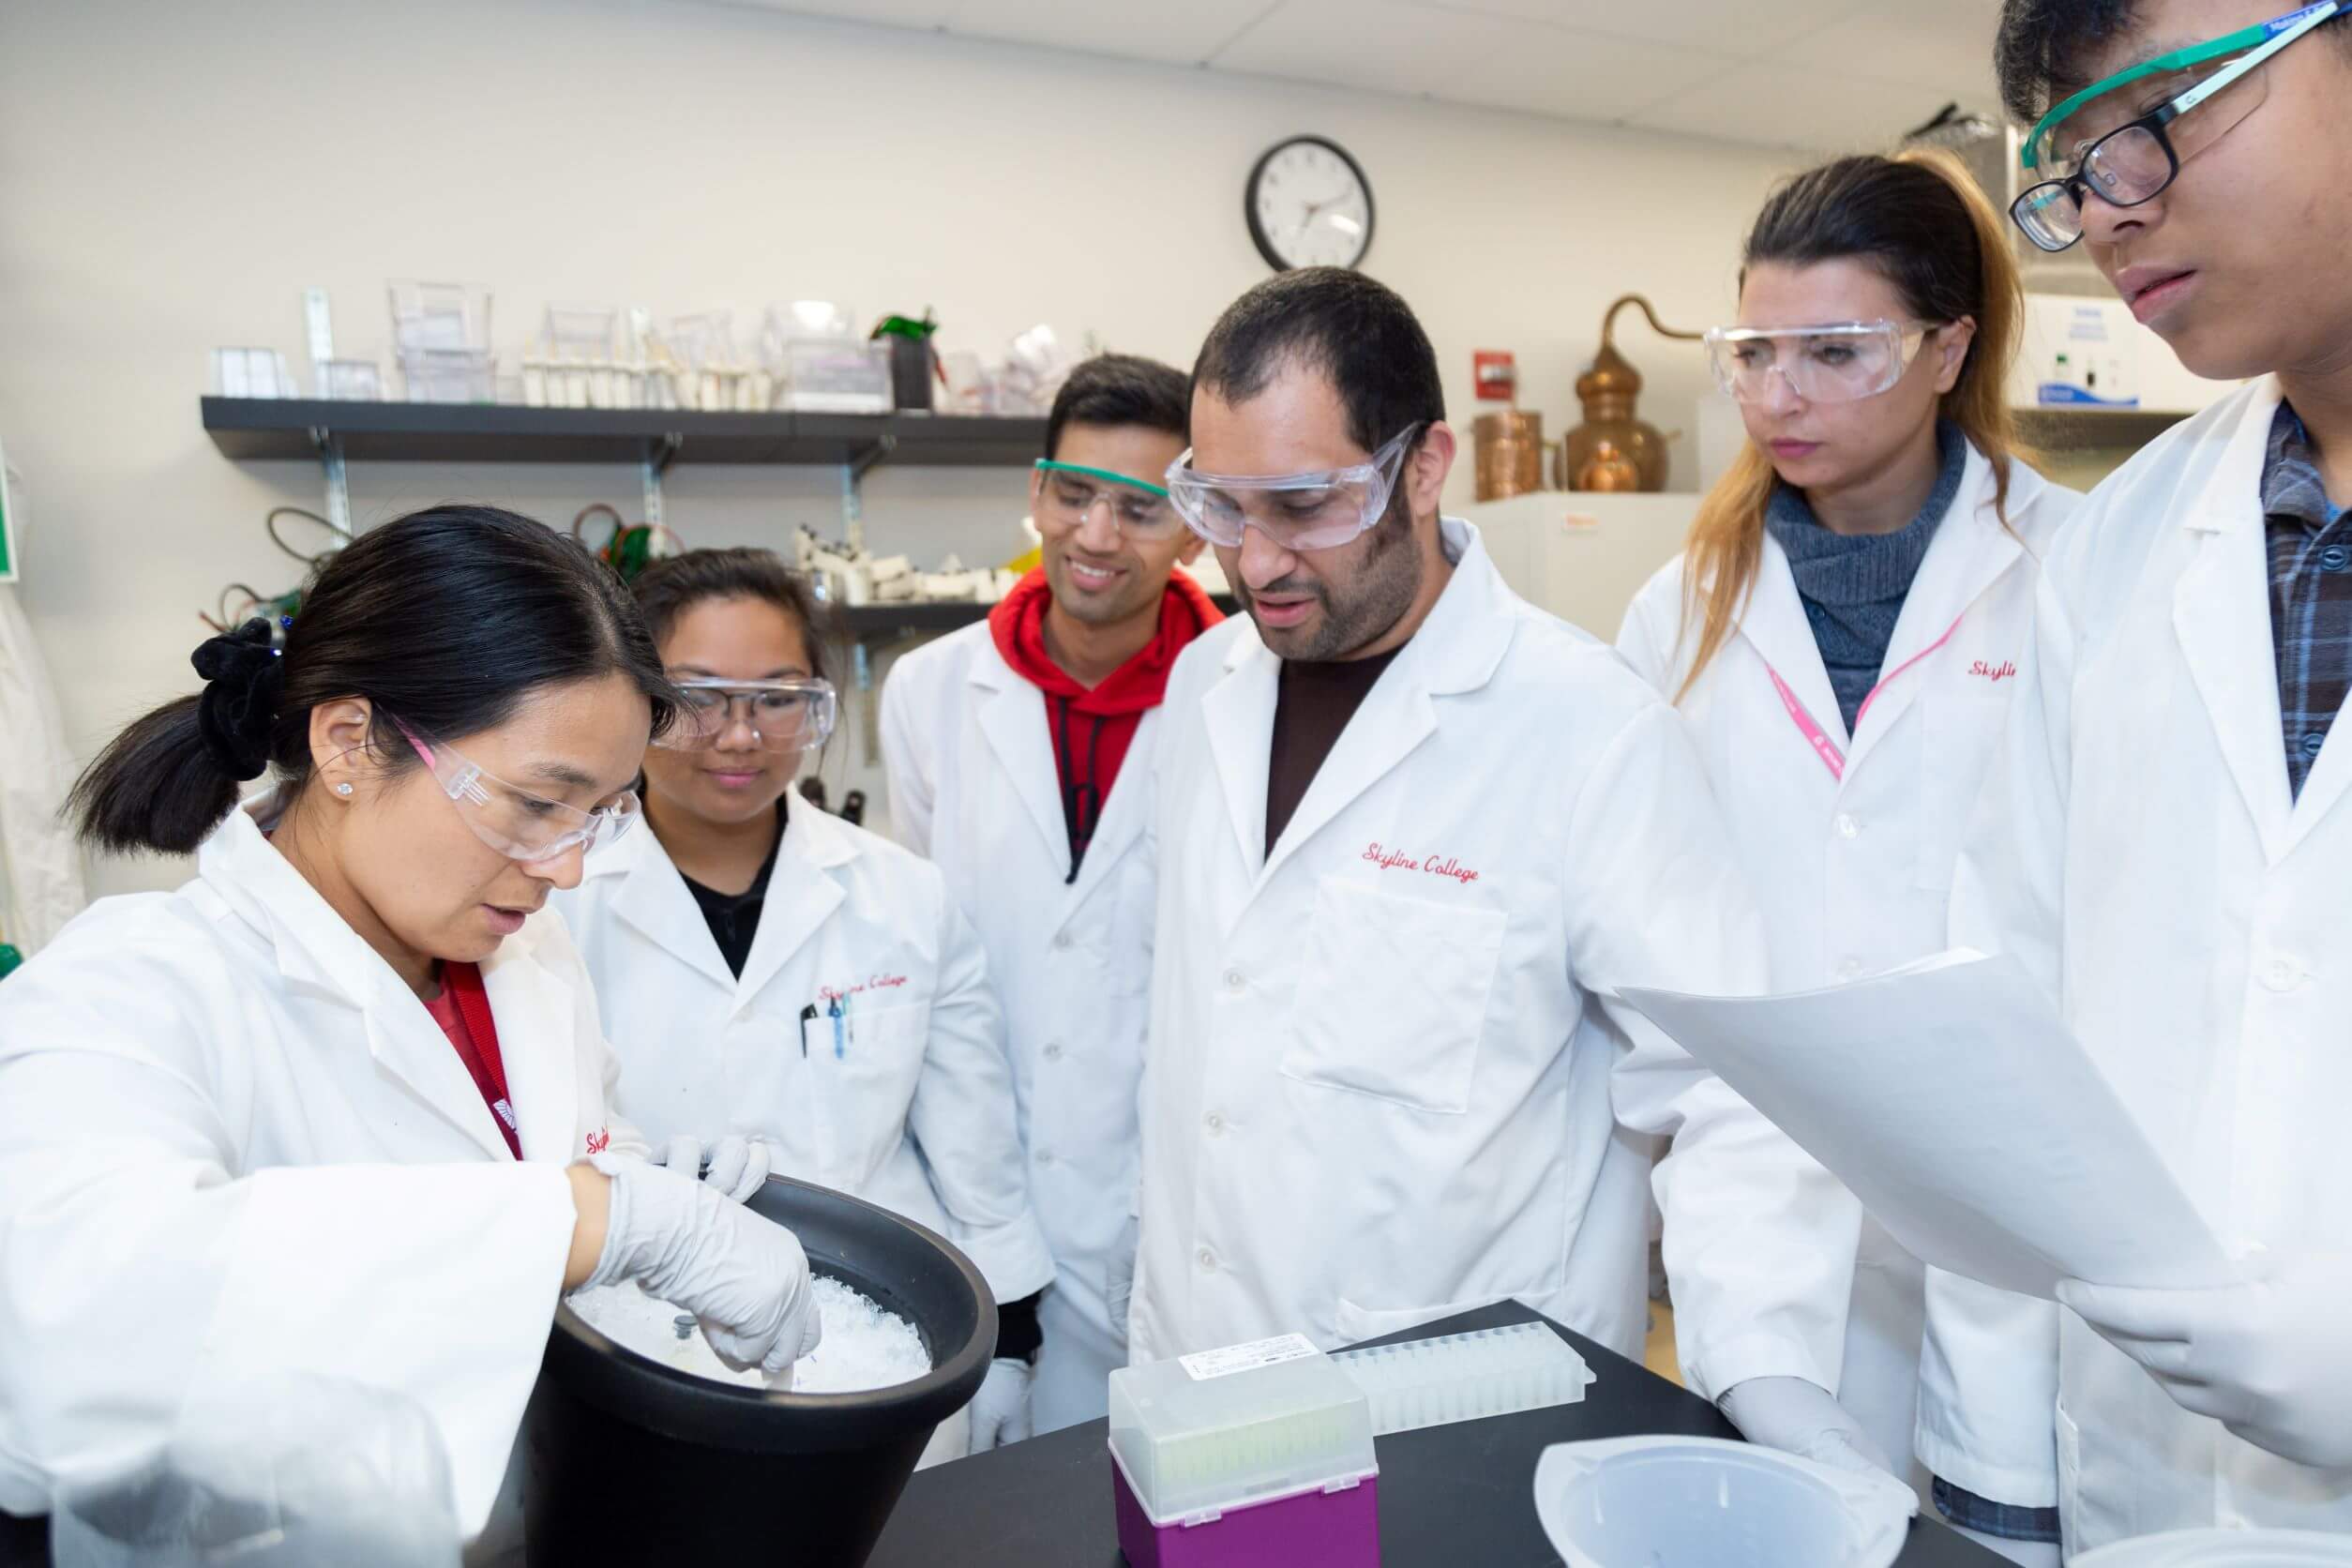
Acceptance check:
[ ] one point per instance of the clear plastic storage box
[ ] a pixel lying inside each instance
(1260, 1455)
(251, 373)
(439, 316)
(449, 376)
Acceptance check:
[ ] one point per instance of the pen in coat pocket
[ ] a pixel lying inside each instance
(807, 1016)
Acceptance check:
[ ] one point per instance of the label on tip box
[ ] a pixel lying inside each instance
(1248, 1358)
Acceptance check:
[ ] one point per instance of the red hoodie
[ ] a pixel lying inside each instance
(1093, 728)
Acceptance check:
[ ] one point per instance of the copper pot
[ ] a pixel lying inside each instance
(1509, 449)
(1613, 449)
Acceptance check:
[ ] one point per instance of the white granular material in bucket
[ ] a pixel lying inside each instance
(864, 1346)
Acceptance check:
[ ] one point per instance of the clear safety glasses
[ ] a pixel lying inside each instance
(1841, 362)
(1068, 493)
(513, 820)
(775, 715)
(2118, 139)
(1297, 511)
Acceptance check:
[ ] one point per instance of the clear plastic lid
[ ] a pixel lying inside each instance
(1203, 1435)
(2225, 1548)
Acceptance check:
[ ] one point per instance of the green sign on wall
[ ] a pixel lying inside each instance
(8, 525)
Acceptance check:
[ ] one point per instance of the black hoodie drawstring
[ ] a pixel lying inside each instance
(1082, 801)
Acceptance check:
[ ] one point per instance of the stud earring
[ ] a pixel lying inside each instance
(343, 788)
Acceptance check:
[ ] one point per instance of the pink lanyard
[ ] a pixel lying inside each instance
(1824, 747)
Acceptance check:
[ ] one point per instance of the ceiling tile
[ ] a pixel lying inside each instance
(1583, 76)
(1729, 26)
(1381, 44)
(889, 13)
(1816, 109)
(1180, 34)
(1946, 47)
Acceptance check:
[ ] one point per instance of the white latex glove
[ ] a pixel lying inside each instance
(2029, 1554)
(739, 1165)
(999, 1411)
(1802, 1418)
(743, 1277)
(2268, 1358)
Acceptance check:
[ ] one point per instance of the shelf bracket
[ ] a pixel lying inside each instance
(854, 474)
(330, 450)
(658, 456)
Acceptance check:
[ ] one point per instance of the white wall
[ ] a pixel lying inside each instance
(174, 174)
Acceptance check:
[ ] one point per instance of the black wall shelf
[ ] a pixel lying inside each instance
(300, 428)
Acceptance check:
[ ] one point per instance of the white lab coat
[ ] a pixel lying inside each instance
(1854, 874)
(41, 865)
(973, 785)
(1377, 1094)
(232, 1142)
(2138, 848)
(915, 1112)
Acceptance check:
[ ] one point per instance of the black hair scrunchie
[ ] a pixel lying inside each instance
(243, 679)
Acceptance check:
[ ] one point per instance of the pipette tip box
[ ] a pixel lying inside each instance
(1259, 1456)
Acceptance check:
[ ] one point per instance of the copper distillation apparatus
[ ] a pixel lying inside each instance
(1613, 449)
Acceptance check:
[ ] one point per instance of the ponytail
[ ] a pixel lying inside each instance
(1920, 220)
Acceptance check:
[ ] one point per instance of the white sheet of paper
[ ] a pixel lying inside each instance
(1952, 1100)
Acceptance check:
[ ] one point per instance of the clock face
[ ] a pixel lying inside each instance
(1309, 205)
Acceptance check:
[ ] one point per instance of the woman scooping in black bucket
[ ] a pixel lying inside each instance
(341, 1105)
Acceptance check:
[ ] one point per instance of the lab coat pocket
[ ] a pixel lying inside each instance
(871, 1071)
(1393, 996)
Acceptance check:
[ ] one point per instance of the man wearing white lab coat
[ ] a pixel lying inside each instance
(1386, 1080)
(1020, 754)
(2166, 843)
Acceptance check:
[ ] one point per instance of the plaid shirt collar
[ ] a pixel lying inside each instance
(2291, 486)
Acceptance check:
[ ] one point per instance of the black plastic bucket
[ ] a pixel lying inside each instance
(627, 1460)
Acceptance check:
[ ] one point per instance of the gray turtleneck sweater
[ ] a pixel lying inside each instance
(1853, 586)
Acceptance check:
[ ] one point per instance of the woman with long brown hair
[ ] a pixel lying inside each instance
(1842, 632)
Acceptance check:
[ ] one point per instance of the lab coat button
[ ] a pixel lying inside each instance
(2279, 974)
(1044, 1156)
(1053, 1052)
(1232, 979)
(1847, 827)
(1061, 941)
(1216, 1122)
(1208, 1259)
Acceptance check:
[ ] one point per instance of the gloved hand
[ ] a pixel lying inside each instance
(1802, 1418)
(739, 1165)
(743, 1277)
(2028, 1554)
(2267, 1357)
(999, 1411)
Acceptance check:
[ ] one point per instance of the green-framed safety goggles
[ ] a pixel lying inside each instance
(1068, 492)
(2136, 160)
(2266, 37)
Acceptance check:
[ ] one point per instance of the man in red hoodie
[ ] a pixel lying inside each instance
(1019, 759)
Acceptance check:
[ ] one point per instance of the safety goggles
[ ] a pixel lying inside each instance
(2134, 161)
(1841, 362)
(1297, 511)
(779, 715)
(1068, 493)
(511, 819)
